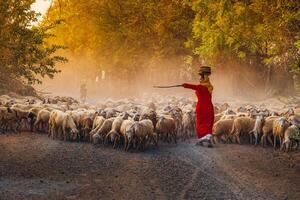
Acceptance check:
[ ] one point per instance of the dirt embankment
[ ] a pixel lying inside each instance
(34, 167)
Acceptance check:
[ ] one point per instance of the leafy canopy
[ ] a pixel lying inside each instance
(24, 53)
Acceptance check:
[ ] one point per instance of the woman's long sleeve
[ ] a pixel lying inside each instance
(190, 86)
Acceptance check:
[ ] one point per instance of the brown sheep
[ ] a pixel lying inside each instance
(267, 130)
(62, 125)
(6, 114)
(149, 114)
(242, 125)
(224, 107)
(114, 137)
(42, 120)
(127, 133)
(166, 128)
(102, 132)
(85, 126)
(294, 119)
(148, 132)
(218, 117)
(228, 117)
(114, 133)
(188, 122)
(279, 127)
(291, 135)
(98, 121)
(21, 118)
(222, 128)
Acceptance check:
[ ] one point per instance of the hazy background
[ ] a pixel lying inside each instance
(123, 48)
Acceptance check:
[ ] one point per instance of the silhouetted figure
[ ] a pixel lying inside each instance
(83, 92)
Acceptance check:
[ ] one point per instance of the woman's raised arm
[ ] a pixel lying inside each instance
(190, 86)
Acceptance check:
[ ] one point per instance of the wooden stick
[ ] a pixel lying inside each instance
(168, 86)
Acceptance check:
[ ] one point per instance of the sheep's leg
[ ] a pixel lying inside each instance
(142, 144)
(116, 142)
(145, 143)
(128, 145)
(251, 139)
(282, 146)
(274, 141)
(15, 127)
(262, 140)
(238, 139)
(91, 137)
(227, 138)
(35, 125)
(269, 139)
(49, 130)
(214, 139)
(106, 139)
(287, 146)
(52, 132)
(64, 135)
(125, 143)
(280, 140)
(175, 140)
(42, 127)
(61, 133)
(39, 127)
(256, 139)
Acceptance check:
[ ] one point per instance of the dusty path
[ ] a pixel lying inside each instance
(35, 167)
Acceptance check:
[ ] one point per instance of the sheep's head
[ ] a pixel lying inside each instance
(102, 113)
(289, 112)
(74, 133)
(229, 112)
(124, 115)
(136, 117)
(273, 113)
(129, 134)
(294, 121)
(96, 138)
(282, 122)
(242, 109)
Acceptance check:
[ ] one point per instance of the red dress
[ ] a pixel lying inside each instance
(204, 109)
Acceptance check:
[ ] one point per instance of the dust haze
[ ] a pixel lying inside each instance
(231, 82)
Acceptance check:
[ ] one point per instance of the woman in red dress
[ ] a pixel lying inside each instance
(204, 108)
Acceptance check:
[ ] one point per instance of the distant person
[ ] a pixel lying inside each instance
(204, 108)
(83, 91)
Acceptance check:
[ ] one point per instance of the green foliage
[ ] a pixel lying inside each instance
(24, 54)
(263, 31)
(126, 34)
(129, 35)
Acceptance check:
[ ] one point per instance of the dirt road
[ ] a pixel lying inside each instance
(35, 167)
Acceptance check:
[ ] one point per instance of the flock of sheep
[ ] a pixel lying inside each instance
(138, 123)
